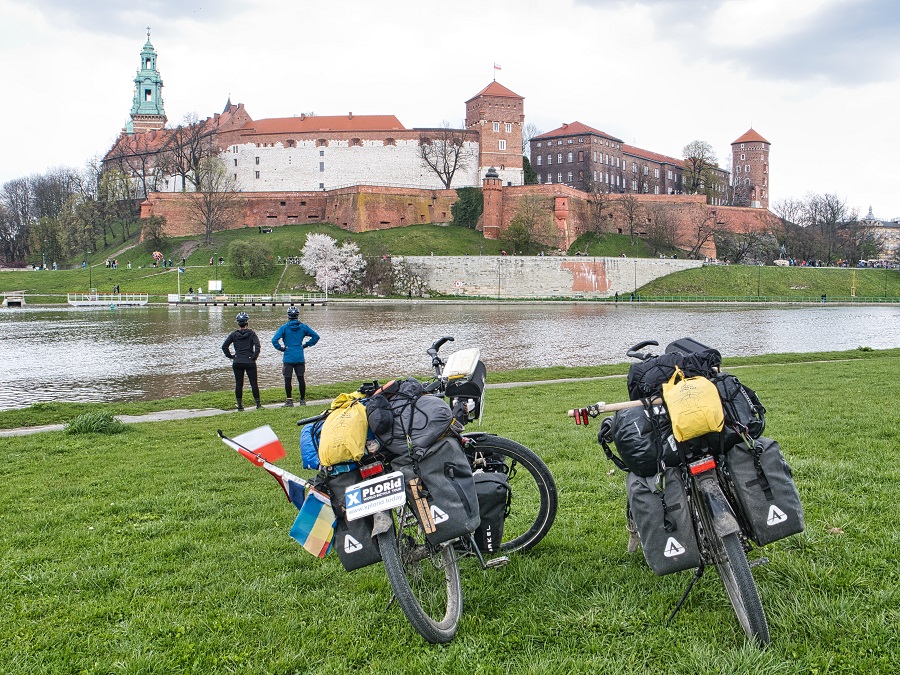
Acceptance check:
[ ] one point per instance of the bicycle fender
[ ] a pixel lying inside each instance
(382, 523)
(723, 519)
(477, 435)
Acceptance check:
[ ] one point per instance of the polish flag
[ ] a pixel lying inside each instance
(259, 445)
(496, 67)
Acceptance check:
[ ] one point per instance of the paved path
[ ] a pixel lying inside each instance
(181, 414)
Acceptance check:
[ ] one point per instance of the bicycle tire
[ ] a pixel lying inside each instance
(741, 589)
(534, 497)
(424, 578)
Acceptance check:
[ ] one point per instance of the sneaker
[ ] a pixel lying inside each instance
(302, 401)
(258, 405)
(240, 407)
(289, 403)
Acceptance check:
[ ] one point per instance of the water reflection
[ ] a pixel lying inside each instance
(67, 354)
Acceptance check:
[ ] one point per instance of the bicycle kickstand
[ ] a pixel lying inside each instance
(499, 561)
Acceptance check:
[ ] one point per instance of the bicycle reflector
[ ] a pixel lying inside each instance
(581, 416)
(368, 470)
(701, 465)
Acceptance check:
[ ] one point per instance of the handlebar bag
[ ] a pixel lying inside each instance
(416, 420)
(646, 378)
(343, 436)
(694, 406)
(449, 487)
(493, 492)
(744, 413)
(643, 439)
(764, 485)
(352, 539)
(662, 515)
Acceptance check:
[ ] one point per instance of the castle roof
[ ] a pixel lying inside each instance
(495, 89)
(652, 156)
(575, 128)
(750, 136)
(319, 123)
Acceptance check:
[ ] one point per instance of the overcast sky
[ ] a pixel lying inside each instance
(819, 79)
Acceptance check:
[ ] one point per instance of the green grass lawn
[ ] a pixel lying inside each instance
(159, 550)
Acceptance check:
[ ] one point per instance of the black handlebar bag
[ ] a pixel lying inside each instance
(447, 487)
(352, 538)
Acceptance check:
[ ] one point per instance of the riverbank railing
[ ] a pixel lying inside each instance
(248, 299)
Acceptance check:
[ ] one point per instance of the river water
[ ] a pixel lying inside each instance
(146, 353)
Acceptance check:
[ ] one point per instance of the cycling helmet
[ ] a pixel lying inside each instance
(242, 319)
(293, 312)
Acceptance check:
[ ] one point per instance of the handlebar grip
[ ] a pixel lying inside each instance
(310, 420)
(438, 344)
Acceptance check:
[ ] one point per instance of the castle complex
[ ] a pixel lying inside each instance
(364, 172)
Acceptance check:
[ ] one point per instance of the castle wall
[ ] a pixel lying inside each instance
(541, 276)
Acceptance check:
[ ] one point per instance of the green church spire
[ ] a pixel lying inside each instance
(147, 112)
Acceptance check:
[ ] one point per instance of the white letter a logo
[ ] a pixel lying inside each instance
(673, 548)
(351, 545)
(776, 516)
(437, 515)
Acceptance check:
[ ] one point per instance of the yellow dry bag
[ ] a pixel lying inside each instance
(694, 406)
(344, 431)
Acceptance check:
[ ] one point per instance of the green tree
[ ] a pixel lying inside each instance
(250, 260)
(530, 173)
(528, 227)
(469, 206)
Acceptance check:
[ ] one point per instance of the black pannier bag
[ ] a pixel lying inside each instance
(744, 413)
(408, 416)
(643, 438)
(698, 359)
(663, 521)
(352, 539)
(447, 486)
(472, 389)
(492, 488)
(765, 488)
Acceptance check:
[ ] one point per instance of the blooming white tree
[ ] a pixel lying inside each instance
(336, 267)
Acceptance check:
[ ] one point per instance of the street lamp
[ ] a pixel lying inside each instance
(44, 255)
(90, 271)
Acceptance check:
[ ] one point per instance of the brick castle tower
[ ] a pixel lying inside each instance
(750, 161)
(147, 113)
(497, 114)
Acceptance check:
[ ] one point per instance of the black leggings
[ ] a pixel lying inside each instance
(239, 370)
(289, 370)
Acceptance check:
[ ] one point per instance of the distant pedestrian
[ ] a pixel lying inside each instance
(617, 296)
(246, 351)
(182, 261)
(289, 339)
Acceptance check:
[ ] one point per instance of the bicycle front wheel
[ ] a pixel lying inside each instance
(425, 579)
(534, 499)
(741, 588)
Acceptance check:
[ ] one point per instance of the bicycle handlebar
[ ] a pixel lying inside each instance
(636, 353)
(310, 420)
(433, 350)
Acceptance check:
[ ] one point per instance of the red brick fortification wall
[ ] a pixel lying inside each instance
(366, 208)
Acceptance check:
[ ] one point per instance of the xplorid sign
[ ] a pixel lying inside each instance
(373, 495)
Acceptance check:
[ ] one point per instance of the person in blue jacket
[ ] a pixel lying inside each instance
(289, 339)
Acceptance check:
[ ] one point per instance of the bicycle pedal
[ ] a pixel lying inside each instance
(499, 561)
(758, 562)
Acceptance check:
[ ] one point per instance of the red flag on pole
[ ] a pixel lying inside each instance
(261, 442)
(496, 67)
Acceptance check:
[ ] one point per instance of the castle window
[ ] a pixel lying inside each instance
(549, 160)
(355, 142)
(747, 168)
(549, 178)
(390, 141)
(496, 126)
(321, 143)
(148, 94)
(656, 173)
(540, 160)
(581, 140)
(321, 153)
(634, 186)
(742, 156)
(235, 162)
(569, 158)
(509, 127)
(290, 143)
(257, 160)
(569, 176)
(539, 144)
(257, 174)
(540, 179)
(559, 177)
(321, 166)
(321, 186)
(595, 155)
(147, 64)
(503, 144)
(656, 189)
(738, 167)
(559, 158)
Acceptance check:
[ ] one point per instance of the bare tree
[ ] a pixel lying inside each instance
(444, 151)
(187, 146)
(216, 203)
(701, 228)
(662, 229)
(600, 206)
(633, 212)
(699, 162)
(529, 131)
(749, 242)
(529, 226)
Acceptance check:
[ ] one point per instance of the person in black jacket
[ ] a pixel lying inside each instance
(246, 351)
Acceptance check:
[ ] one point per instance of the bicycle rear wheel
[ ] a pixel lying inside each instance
(534, 498)
(741, 588)
(425, 578)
